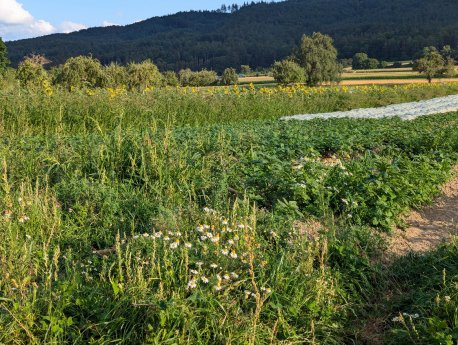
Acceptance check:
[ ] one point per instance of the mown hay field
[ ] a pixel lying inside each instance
(394, 76)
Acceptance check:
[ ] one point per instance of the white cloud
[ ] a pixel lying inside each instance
(42, 27)
(67, 27)
(16, 22)
(106, 23)
(11, 12)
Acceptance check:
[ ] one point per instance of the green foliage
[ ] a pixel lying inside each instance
(318, 57)
(427, 310)
(4, 62)
(143, 75)
(124, 221)
(229, 77)
(373, 63)
(346, 62)
(171, 78)
(384, 64)
(31, 74)
(359, 61)
(245, 69)
(81, 71)
(202, 108)
(115, 75)
(201, 78)
(433, 64)
(287, 72)
(362, 61)
(386, 30)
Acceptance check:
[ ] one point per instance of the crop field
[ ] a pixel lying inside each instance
(195, 216)
(386, 76)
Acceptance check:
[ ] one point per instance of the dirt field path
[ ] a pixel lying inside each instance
(430, 226)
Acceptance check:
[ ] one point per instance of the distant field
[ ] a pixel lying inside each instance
(366, 77)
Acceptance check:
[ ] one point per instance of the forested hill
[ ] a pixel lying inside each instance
(260, 33)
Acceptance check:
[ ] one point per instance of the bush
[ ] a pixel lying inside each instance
(372, 63)
(362, 61)
(245, 69)
(346, 62)
(31, 74)
(171, 78)
(287, 72)
(202, 78)
(81, 71)
(230, 77)
(143, 75)
(115, 75)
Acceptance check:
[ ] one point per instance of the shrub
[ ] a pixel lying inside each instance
(30, 74)
(245, 69)
(346, 62)
(143, 75)
(287, 72)
(372, 63)
(202, 78)
(170, 78)
(230, 77)
(115, 75)
(81, 71)
(362, 61)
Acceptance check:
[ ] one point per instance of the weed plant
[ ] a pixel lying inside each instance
(196, 218)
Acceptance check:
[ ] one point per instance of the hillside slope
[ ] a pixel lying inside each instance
(258, 34)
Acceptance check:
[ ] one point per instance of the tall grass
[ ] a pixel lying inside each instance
(131, 220)
(103, 110)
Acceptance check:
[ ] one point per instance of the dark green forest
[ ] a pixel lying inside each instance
(258, 34)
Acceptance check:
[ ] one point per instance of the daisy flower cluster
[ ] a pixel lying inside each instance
(215, 251)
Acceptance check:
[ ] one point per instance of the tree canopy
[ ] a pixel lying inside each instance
(318, 57)
(4, 61)
(258, 34)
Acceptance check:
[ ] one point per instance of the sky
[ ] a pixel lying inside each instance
(31, 18)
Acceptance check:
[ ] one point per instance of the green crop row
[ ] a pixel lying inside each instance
(255, 232)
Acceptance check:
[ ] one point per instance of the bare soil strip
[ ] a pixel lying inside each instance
(430, 226)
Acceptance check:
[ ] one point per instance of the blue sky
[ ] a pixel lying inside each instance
(31, 18)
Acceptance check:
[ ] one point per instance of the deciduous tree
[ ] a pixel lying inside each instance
(318, 57)
(229, 77)
(4, 61)
(433, 64)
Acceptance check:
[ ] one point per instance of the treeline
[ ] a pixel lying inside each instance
(257, 34)
(87, 72)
